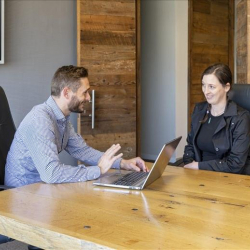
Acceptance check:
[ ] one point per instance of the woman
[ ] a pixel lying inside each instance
(220, 131)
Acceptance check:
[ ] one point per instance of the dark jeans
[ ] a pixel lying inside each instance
(5, 239)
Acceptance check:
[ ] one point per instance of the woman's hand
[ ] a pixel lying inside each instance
(192, 165)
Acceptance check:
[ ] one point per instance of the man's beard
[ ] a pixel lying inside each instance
(75, 105)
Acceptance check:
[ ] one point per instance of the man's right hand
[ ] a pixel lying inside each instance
(109, 158)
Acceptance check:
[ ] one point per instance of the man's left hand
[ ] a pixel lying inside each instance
(135, 164)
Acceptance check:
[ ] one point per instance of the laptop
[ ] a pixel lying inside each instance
(140, 180)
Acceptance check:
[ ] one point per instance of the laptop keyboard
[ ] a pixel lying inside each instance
(130, 179)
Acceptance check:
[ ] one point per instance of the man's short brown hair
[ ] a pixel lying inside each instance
(67, 76)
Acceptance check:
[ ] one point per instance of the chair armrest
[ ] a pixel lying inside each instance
(179, 163)
(4, 187)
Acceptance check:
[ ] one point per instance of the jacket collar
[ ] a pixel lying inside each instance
(231, 110)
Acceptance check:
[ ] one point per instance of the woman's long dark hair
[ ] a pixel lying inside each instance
(224, 76)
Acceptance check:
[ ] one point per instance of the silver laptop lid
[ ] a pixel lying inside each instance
(162, 161)
(109, 179)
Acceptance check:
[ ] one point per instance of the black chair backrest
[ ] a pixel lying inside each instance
(240, 94)
(7, 131)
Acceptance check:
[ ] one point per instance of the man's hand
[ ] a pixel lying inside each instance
(192, 165)
(108, 158)
(136, 164)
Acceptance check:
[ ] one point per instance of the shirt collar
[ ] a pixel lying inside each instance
(56, 110)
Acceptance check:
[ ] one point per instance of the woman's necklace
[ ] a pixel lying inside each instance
(209, 120)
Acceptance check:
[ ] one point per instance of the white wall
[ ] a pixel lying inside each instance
(40, 36)
(164, 64)
(181, 73)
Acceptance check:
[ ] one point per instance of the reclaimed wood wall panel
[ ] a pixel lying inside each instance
(107, 48)
(210, 41)
(108, 7)
(242, 36)
(138, 76)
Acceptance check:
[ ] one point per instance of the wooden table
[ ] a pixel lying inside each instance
(184, 209)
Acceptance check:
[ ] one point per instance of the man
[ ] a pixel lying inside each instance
(46, 131)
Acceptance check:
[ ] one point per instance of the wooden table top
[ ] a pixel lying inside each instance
(184, 209)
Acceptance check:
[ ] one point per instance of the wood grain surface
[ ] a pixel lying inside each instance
(242, 41)
(107, 47)
(211, 40)
(184, 209)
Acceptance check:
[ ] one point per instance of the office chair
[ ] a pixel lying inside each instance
(7, 132)
(240, 94)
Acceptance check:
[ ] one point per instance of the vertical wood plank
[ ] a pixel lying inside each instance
(107, 47)
(248, 43)
(78, 47)
(241, 43)
(231, 36)
(211, 35)
(138, 77)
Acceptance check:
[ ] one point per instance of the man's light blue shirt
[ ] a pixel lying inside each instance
(41, 136)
